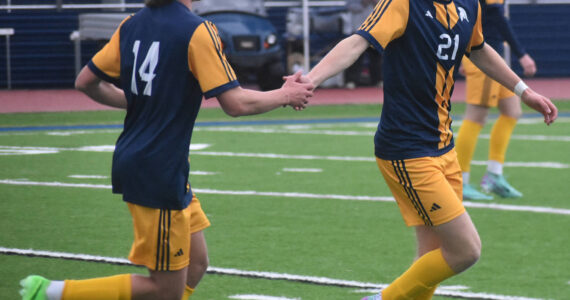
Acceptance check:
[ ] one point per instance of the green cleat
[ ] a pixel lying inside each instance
(470, 193)
(498, 184)
(34, 288)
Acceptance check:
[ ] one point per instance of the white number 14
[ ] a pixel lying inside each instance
(146, 70)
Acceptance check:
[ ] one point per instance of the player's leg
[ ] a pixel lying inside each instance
(429, 197)
(426, 241)
(198, 251)
(162, 244)
(479, 91)
(494, 181)
(160, 285)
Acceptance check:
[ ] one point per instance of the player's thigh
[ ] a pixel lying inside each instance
(162, 238)
(511, 106)
(423, 190)
(480, 88)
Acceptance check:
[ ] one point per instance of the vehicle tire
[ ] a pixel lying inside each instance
(270, 76)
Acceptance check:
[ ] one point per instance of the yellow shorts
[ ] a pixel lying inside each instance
(428, 190)
(481, 89)
(162, 236)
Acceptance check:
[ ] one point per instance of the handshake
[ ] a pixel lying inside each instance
(298, 89)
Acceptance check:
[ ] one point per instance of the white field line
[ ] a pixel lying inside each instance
(17, 150)
(493, 206)
(88, 176)
(546, 164)
(257, 129)
(257, 274)
(259, 297)
(303, 170)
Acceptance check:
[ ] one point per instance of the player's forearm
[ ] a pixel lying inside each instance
(242, 102)
(100, 91)
(492, 64)
(342, 56)
(107, 94)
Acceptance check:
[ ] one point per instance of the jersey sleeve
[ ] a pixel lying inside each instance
(477, 40)
(106, 63)
(497, 13)
(386, 23)
(208, 63)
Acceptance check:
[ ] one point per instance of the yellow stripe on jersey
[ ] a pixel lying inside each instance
(206, 60)
(443, 84)
(108, 59)
(388, 21)
(477, 35)
(446, 14)
(491, 2)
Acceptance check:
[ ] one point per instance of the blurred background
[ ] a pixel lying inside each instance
(43, 43)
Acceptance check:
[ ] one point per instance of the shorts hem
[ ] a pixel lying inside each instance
(152, 267)
(442, 221)
(200, 227)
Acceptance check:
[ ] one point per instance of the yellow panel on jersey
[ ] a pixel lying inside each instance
(443, 84)
(207, 61)
(491, 2)
(442, 11)
(388, 21)
(108, 59)
(477, 35)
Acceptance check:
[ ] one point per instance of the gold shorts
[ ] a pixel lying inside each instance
(162, 236)
(481, 89)
(428, 190)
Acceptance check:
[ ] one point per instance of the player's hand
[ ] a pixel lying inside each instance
(301, 79)
(461, 70)
(297, 92)
(528, 65)
(541, 104)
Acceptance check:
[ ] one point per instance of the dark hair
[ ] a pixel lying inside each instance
(157, 3)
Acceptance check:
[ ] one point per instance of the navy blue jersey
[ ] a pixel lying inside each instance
(165, 59)
(497, 29)
(422, 43)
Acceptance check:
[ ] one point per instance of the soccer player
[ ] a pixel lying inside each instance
(165, 59)
(422, 43)
(483, 93)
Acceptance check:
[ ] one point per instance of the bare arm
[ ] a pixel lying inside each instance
(495, 67)
(342, 56)
(241, 102)
(99, 90)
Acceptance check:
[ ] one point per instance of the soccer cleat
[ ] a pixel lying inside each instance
(470, 193)
(498, 184)
(34, 288)
(373, 297)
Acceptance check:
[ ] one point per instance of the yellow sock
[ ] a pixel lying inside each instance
(424, 275)
(427, 295)
(188, 291)
(500, 137)
(465, 143)
(106, 288)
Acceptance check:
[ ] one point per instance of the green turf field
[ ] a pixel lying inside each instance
(294, 195)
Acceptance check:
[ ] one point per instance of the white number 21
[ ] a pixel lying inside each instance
(446, 45)
(146, 70)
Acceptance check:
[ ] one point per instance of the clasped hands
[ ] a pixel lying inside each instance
(298, 89)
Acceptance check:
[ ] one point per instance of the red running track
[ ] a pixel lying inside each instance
(17, 101)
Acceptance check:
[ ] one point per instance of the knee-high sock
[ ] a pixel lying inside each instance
(500, 137)
(427, 295)
(188, 291)
(106, 288)
(465, 143)
(424, 274)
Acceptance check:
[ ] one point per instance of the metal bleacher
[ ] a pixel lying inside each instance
(43, 56)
